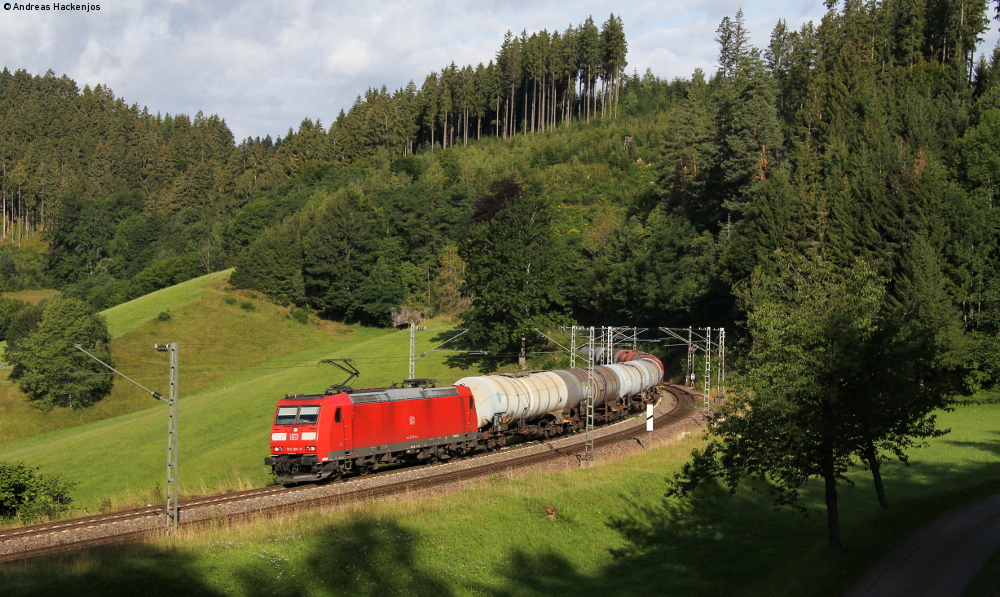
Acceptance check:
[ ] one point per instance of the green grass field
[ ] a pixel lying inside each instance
(128, 316)
(237, 356)
(19, 419)
(613, 534)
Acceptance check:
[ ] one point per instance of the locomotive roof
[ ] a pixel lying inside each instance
(392, 394)
(303, 397)
(366, 396)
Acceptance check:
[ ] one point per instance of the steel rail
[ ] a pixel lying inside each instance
(681, 411)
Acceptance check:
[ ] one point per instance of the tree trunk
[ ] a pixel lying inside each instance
(875, 466)
(534, 102)
(522, 359)
(544, 117)
(832, 513)
(524, 111)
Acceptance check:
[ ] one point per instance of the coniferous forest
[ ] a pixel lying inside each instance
(552, 186)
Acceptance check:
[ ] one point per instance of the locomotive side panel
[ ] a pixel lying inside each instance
(404, 424)
(335, 426)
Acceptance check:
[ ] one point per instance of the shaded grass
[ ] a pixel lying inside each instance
(987, 582)
(613, 534)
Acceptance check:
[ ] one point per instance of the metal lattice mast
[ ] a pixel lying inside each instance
(572, 349)
(722, 364)
(720, 368)
(413, 351)
(708, 367)
(173, 516)
(588, 452)
(690, 364)
(609, 354)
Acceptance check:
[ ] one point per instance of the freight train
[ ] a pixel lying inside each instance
(353, 431)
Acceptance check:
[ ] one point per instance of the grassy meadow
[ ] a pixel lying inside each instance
(237, 356)
(613, 534)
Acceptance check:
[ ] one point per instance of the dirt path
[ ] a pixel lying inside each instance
(941, 558)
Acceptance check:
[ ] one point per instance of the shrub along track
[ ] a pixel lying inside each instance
(131, 525)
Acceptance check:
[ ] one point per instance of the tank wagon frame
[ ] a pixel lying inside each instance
(330, 435)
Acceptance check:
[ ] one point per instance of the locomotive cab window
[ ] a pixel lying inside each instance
(286, 415)
(336, 416)
(472, 404)
(297, 415)
(308, 415)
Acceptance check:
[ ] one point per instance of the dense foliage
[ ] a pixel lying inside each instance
(516, 269)
(27, 494)
(47, 366)
(863, 249)
(549, 186)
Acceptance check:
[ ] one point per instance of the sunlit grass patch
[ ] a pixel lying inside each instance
(612, 533)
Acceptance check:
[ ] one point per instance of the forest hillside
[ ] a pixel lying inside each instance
(621, 198)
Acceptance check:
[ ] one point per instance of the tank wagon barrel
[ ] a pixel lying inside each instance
(521, 398)
(327, 435)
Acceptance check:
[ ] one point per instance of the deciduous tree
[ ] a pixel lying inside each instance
(50, 370)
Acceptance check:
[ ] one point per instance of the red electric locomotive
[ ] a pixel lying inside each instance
(327, 435)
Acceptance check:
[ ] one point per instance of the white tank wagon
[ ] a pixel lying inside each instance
(547, 403)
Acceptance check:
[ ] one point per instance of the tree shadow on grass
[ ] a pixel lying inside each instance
(992, 447)
(715, 544)
(711, 544)
(904, 481)
(137, 569)
(362, 558)
(366, 557)
(667, 547)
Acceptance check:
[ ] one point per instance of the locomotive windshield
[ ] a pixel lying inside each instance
(286, 415)
(308, 415)
(297, 415)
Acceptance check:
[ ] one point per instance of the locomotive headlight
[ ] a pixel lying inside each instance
(277, 449)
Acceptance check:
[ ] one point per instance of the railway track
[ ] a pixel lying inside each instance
(118, 527)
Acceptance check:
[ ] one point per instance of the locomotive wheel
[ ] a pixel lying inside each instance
(365, 469)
